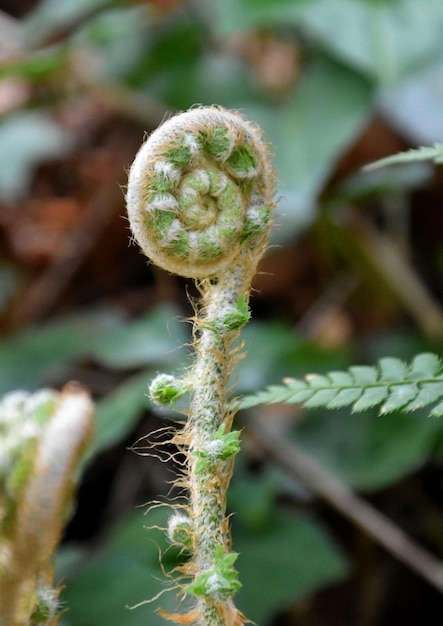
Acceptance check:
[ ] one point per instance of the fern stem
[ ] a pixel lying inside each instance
(199, 203)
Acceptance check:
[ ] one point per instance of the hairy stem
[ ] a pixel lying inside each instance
(199, 204)
(209, 410)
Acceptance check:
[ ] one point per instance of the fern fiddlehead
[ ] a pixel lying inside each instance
(198, 189)
(43, 439)
(200, 197)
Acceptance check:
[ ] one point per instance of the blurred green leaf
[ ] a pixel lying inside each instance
(26, 140)
(222, 78)
(390, 182)
(29, 358)
(51, 15)
(254, 499)
(434, 153)
(273, 349)
(233, 16)
(367, 451)
(288, 560)
(125, 574)
(169, 65)
(155, 337)
(413, 106)
(384, 38)
(115, 40)
(117, 413)
(307, 138)
(36, 65)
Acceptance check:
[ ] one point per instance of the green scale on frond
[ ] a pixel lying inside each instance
(216, 142)
(208, 248)
(161, 222)
(158, 182)
(257, 219)
(243, 162)
(179, 154)
(180, 245)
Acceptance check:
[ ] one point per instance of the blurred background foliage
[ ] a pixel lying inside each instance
(355, 272)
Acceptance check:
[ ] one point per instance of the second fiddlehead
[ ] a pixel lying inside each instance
(200, 198)
(43, 439)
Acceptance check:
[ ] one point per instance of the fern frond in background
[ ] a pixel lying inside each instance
(392, 384)
(425, 153)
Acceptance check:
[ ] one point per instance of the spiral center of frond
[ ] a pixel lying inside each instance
(203, 197)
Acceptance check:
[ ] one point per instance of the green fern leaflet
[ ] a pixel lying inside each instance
(392, 384)
(426, 153)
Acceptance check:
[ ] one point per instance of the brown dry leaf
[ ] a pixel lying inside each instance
(276, 63)
(37, 232)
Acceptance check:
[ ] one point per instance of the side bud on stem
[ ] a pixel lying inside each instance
(166, 389)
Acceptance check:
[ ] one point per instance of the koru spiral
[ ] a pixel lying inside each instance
(199, 189)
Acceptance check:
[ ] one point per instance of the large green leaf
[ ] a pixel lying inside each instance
(26, 140)
(117, 413)
(383, 38)
(152, 338)
(366, 450)
(286, 559)
(289, 559)
(310, 131)
(232, 16)
(30, 357)
(126, 573)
